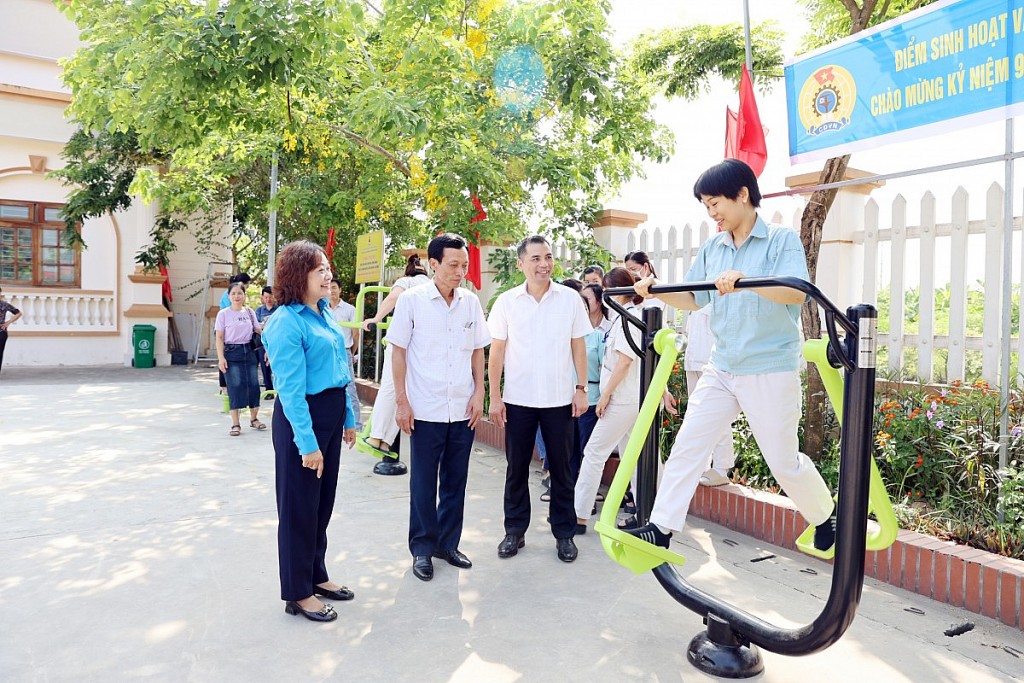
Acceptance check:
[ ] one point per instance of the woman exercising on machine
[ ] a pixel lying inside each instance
(754, 366)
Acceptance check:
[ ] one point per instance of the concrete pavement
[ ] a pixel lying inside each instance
(137, 542)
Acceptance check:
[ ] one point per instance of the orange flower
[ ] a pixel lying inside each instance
(920, 461)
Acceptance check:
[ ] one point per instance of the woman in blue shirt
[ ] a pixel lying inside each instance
(755, 363)
(312, 418)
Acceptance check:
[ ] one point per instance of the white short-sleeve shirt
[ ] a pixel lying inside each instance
(407, 282)
(699, 340)
(439, 341)
(539, 370)
(628, 391)
(345, 312)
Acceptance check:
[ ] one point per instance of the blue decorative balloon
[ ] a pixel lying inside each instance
(519, 78)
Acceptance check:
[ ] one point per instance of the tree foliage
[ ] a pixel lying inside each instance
(682, 60)
(832, 20)
(384, 117)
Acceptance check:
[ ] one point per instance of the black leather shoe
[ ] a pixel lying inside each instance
(510, 545)
(342, 593)
(566, 549)
(422, 567)
(326, 613)
(454, 557)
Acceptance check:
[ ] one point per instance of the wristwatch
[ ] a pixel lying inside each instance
(580, 387)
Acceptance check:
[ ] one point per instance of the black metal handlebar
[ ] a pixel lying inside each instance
(832, 313)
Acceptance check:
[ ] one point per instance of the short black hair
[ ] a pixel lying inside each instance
(413, 266)
(448, 240)
(268, 290)
(594, 269)
(598, 291)
(527, 241)
(337, 282)
(726, 179)
(572, 283)
(242, 277)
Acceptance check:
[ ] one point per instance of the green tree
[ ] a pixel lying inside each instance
(390, 116)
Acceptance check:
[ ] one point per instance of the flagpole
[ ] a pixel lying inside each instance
(746, 37)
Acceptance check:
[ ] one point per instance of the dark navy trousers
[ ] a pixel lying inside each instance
(305, 503)
(438, 469)
(556, 428)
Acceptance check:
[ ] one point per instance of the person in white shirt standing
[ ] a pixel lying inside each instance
(538, 331)
(343, 311)
(699, 343)
(438, 334)
(383, 428)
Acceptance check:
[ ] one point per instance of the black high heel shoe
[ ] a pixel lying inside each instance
(325, 613)
(342, 593)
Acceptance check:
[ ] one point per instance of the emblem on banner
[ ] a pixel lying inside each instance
(827, 100)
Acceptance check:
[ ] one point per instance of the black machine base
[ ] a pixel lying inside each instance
(719, 652)
(390, 467)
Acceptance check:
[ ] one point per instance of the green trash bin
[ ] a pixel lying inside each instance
(143, 337)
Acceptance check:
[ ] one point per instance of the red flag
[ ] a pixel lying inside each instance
(744, 134)
(330, 244)
(475, 273)
(166, 286)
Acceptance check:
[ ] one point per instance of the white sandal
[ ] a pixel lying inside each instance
(713, 478)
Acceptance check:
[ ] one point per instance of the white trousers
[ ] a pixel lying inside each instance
(383, 425)
(614, 428)
(771, 403)
(723, 457)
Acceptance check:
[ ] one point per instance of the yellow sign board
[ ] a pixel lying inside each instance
(370, 257)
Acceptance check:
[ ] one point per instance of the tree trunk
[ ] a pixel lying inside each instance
(811, 223)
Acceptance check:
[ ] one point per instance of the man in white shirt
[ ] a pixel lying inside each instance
(438, 334)
(537, 330)
(343, 311)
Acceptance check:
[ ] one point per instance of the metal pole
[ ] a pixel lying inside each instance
(359, 354)
(899, 174)
(1004, 360)
(272, 236)
(650, 457)
(746, 38)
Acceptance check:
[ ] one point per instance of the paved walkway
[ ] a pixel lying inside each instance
(137, 542)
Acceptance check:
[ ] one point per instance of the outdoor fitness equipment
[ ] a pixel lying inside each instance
(729, 646)
(389, 464)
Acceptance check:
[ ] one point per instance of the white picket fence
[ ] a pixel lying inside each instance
(898, 257)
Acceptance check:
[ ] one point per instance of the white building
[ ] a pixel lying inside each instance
(79, 306)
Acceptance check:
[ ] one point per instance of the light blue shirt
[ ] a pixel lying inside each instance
(753, 335)
(225, 300)
(595, 354)
(307, 354)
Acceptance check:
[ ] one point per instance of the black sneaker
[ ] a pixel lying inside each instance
(652, 534)
(825, 533)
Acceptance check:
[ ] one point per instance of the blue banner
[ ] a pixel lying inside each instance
(946, 66)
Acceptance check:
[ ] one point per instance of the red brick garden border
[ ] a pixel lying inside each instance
(979, 581)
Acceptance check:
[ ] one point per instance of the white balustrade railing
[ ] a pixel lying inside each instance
(72, 311)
